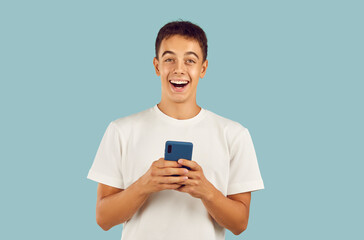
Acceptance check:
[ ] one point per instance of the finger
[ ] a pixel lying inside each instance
(173, 171)
(171, 186)
(162, 163)
(182, 188)
(189, 163)
(171, 180)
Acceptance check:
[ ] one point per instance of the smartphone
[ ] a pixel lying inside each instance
(175, 150)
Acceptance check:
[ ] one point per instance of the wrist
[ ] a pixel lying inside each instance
(141, 187)
(212, 194)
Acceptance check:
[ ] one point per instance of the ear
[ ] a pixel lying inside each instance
(204, 68)
(156, 66)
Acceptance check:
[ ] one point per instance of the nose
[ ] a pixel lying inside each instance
(180, 68)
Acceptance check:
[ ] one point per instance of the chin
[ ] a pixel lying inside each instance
(179, 100)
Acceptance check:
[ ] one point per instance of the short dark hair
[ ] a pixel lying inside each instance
(183, 28)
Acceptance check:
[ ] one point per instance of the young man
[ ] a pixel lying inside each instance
(136, 186)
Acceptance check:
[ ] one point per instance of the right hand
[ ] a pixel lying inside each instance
(158, 177)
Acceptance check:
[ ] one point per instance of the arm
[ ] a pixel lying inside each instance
(231, 212)
(115, 206)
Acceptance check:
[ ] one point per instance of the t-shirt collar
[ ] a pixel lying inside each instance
(172, 120)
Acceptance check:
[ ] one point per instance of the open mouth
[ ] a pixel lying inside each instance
(178, 85)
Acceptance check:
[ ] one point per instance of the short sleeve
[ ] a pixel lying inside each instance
(244, 174)
(106, 167)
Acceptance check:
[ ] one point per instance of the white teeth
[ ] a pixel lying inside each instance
(178, 82)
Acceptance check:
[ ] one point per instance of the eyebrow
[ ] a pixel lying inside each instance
(187, 53)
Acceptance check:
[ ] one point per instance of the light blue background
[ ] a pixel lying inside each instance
(290, 71)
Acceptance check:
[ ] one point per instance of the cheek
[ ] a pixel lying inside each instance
(165, 70)
(194, 72)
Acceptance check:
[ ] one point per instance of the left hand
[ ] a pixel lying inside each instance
(196, 185)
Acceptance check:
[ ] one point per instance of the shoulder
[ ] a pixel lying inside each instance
(127, 122)
(228, 124)
(232, 130)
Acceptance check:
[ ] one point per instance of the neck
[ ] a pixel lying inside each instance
(179, 111)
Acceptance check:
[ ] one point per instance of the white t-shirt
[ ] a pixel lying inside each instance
(222, 147)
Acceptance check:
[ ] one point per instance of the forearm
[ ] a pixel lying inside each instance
(228, 213)
(120, 207)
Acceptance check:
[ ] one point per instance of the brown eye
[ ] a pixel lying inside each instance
(190, 61)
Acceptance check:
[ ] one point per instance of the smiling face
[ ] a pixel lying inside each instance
(180, 66)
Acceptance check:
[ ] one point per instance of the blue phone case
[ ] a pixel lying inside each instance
(175, 150)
